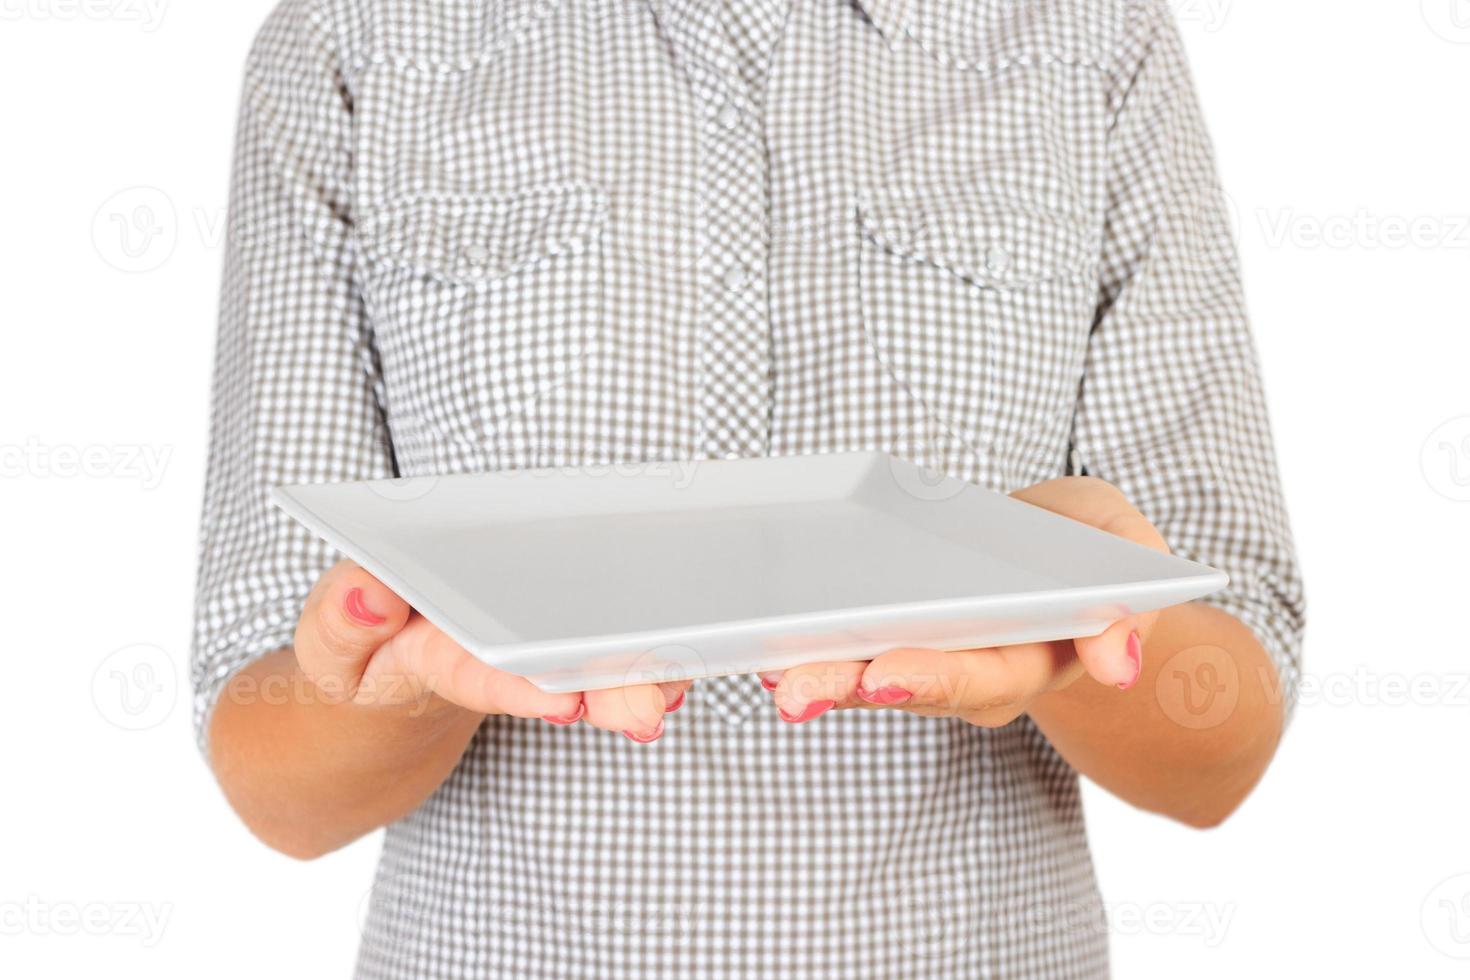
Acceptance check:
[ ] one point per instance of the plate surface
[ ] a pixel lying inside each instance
(596, 577)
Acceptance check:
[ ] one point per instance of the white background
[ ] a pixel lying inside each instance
(1342, 132)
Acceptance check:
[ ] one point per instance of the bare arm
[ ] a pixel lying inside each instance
(1178, 712)
(371, 707)
(369, 713)
(1193, 736)
(308, 775)
(1172, 413)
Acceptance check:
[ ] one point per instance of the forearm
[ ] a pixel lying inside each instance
(1155, 745)
(308, 775)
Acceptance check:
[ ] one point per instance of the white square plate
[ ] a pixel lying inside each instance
(589, 578)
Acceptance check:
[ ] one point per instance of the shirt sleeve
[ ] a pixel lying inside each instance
(295, 396)
(1171, 409)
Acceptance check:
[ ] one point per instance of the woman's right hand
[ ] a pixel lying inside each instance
(383, 707)
(358, 641)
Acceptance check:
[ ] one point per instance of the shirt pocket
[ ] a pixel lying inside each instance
(484, 307)
(972, 302)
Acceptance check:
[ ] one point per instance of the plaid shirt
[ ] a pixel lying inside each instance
(984, 235)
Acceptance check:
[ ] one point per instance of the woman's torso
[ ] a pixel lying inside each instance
(614, 231)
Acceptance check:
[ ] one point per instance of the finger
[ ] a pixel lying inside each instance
(436, 663)
(674, 692)
(1096, 503)
(965, 683)
(1114, 656)
(771, 678)
(805, 692)
(346, 618)
(636, 711)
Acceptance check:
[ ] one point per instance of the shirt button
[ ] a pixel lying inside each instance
(728, 116)
(476, 254)
(735, 280)
(997, 260)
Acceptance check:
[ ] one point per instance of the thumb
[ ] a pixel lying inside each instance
(347, 617)
(1114, 656)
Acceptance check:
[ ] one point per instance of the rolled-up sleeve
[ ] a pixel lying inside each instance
(295, 384)
(1171, 409)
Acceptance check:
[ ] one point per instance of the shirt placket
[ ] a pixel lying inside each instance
(734, 342)
(724, 48)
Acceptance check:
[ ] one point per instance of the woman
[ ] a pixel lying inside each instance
(483, 234)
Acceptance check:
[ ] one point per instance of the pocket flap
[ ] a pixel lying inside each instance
(475, 239)
(992, 242)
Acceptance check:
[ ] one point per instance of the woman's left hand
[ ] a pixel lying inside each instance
(995, 686)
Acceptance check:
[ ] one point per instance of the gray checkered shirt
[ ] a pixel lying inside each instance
(985, 235)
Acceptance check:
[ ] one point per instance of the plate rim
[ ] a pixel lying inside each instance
(1204, 581)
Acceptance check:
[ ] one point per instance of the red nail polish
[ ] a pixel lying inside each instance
(885, 695)
(768, 684)
(570, 719)
(647, 737)
(808, 713)
(1135, 657)
(675, 705)
(358, 611)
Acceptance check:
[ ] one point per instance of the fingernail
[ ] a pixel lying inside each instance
(358, 611)
(1135, 657)
(675, 705)
(808, 713)
(885, 695)
(647, 737)
(769, 684)
(570, 719)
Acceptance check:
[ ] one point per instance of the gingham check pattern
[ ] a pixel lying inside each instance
(982, 234)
